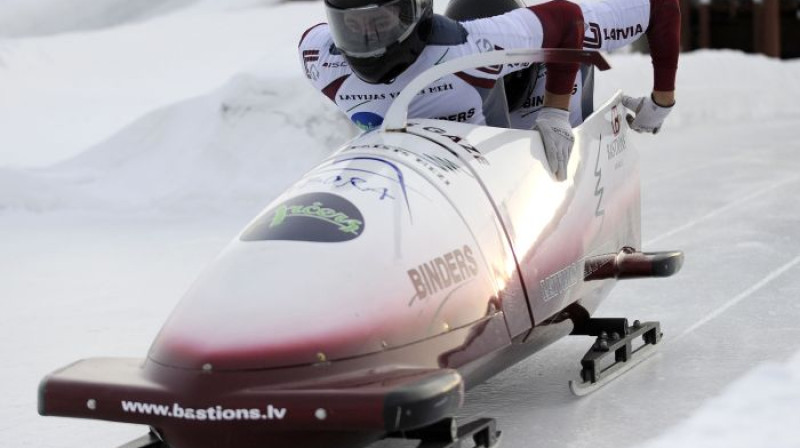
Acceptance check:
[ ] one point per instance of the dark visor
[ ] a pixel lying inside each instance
(367, 31)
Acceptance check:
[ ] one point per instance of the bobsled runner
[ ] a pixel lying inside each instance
(415, 262)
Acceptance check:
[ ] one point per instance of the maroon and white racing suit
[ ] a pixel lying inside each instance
(594, 24)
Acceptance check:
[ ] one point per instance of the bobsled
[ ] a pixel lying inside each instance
(416, 261)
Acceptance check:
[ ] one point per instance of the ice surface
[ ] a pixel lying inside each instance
(156, 141)
(759, 409)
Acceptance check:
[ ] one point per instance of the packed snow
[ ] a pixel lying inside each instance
(45, 17)
(135, 141)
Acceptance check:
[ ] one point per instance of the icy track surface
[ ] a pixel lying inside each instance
(156, 141)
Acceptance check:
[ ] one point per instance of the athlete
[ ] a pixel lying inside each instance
(371, 49)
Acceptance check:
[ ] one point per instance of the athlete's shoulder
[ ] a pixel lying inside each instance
(446, 31)
(519, 20)
(322, 61)
(318, 36)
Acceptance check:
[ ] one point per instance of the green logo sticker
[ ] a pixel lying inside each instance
(317, 217)
(316, 211)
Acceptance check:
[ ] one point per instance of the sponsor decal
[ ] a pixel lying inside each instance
(309, 59)
(591, 38)
(594, 35)
(362, 97)
(367, 120)
(534, 101)
(369, 97)
(363, 183)
(460, 116)
(441, 163)
(561, 281)
(339, 64)
(622, 33)
(618, 144)
(438, 166)
(313, 217)
(443, 272)
(616, 147)
(399, 177)
(520, 65)
(473, 151)
(569, 276)
(484, 46)
(435, 89)
(210, 413)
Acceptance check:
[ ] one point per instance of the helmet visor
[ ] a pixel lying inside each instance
(367, 31)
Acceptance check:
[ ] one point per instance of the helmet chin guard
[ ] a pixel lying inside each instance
(379, 39)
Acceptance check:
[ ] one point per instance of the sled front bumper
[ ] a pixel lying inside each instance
(141, 392)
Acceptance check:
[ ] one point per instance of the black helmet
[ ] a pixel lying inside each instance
(379, 38)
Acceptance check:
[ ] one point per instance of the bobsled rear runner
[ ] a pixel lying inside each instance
(413, 263)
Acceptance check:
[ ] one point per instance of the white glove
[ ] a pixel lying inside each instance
(649, 115)
(553, 125)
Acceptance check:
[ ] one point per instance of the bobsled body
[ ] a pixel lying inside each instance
(406, 265)
(398, 238)
(403, 269)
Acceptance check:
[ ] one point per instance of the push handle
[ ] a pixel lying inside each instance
(398, 112)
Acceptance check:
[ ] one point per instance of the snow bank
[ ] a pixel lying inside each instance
(759, 409)
(236, 147)
(63, 94)
(45, 17)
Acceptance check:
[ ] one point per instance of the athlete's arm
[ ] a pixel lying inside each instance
(562, 26)
(663, 36)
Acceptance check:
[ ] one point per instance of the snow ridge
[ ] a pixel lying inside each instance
(237, 146)
(22, 18)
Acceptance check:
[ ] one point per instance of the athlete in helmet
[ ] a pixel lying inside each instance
(371, 49)
(379, 40)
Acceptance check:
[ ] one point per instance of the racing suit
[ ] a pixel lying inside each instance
(607, 25)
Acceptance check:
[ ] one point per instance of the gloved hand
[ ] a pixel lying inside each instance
(553, 125)
(649, 115)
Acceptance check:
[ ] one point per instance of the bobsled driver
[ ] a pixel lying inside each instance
(370, 49)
